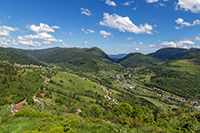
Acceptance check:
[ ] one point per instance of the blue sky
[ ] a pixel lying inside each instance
(115, 26)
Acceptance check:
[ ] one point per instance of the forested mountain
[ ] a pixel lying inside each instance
(14, 56)
(137, 60)
(179, 76)
(77, 59)
(169, 54)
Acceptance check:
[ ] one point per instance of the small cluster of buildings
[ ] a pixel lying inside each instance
(16, 108)
(47, 81)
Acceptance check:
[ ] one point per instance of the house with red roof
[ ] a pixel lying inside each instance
(43, 94)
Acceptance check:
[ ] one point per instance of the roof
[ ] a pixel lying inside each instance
(18, 107)
(43, 94)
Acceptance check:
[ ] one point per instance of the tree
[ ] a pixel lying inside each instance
(123, 108)
(30, 100)
(92, 111)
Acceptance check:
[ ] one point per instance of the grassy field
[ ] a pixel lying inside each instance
(156, 103)
(73, 82)
(184, 65)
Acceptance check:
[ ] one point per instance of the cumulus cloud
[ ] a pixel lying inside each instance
(152, 45)
(188, 5)
(183, 23)
(134, 9)
(5, 30)
(87, 31)
(128, 3)
(42, 36)
(137, 49)
(42, 28)
(105, 34)
(91, 31)
(130, 38)
(179, 44)
(70, 33)
(86, 11)
(110, 3)
(84, 31)
(46, 42)
(66, 45)
(124, 24)
(139, 43)
(4, 33)
(151, 1)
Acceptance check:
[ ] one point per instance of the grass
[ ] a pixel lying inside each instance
(76, 83)
(156, 103)
(184, 65)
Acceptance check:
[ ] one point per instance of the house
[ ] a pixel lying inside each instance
(78, 111)
(43, 94)
(17, 108)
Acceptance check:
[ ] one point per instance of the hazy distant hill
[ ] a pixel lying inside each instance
(117, 57)
(137, 60)
(169, 54)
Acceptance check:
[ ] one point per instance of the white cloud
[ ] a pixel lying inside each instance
(134, 9)
(188, 5)
(84, 31)
(179, 44)
(87, 31)
(137, 49)
(46, 42)
(66, 45)
(91, 31)
(105, 34)
(124, 24)
(4, 33)
(128, 3)
(42, 28)
(151, 1)
(86, 11)
(110, 3)
(8, 28)
(152, 45)
(70, 33)
(141, 43)
(197, 38)
(5, 30)
(42, 36)
(130, 38)
(85, 41)
(183, 23)
(29, 43)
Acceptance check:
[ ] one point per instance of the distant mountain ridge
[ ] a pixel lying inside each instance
(117, 57)
(169, 54)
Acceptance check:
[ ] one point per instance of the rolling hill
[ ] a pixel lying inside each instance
(76, 59)
(137, 60)
(169, 54)
(11, 55)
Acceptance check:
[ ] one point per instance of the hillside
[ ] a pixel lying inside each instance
(137, 60)
(180, 76)
(169, 54)
(12, 55)
(86, 102)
